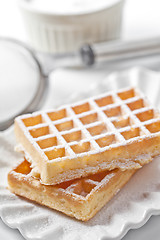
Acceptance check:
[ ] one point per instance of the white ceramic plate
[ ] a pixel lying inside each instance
(130, 208)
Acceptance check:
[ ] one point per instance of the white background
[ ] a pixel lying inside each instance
(141, 19)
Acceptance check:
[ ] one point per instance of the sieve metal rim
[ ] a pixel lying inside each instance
(41, 92)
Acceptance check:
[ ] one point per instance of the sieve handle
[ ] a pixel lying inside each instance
(118, 50)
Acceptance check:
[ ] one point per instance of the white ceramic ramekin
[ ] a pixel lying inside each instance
(60, 28)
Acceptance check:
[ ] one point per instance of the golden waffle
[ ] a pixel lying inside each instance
(113, 130)
(81, 198)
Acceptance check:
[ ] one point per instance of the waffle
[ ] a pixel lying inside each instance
(81, 198)
(113, 130)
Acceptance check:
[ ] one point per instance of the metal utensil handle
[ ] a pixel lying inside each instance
(119, 50)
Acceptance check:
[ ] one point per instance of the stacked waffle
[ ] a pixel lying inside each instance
(79, 156)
